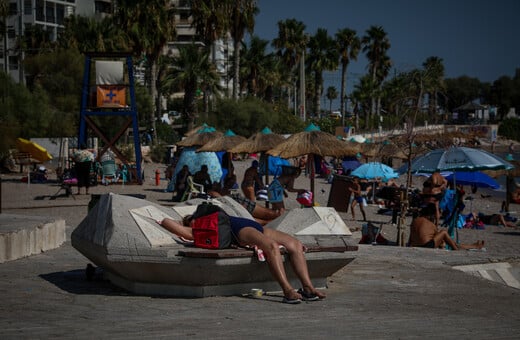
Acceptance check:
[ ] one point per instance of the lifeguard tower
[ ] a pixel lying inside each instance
(108, 90)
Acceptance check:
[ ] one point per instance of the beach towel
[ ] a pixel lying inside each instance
(275, 191)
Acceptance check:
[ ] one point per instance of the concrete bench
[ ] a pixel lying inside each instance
(243, 252)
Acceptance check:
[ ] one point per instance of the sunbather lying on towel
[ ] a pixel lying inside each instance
(493, 219)
(424, 233)
(249, 232)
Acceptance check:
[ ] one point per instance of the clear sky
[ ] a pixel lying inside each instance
(476, 38)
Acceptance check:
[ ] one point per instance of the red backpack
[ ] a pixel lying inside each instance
(211, 227)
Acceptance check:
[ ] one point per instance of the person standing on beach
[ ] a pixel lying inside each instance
(83, 162)
(358, 199)
(433, 191)
(251, 177)
(277, 188)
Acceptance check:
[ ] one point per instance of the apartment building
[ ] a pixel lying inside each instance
(48, 15)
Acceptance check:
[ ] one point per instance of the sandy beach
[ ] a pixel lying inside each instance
(34, 199)
(387, 292)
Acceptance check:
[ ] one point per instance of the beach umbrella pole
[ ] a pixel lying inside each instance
(311, 159)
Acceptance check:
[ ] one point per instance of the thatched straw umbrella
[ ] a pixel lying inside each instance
(196, 129)
(312, 142)
(223, 143)
(260, 142)
(382, 150)
(201, 137)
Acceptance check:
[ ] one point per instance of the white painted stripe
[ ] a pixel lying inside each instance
(483, 266)
(485, 275)
(509, 279)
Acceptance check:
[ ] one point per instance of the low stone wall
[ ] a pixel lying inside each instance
(22, 242)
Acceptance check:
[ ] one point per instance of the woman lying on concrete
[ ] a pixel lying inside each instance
(261, 214)
(250, 232)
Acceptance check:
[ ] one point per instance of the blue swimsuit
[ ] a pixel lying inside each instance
(238, 223)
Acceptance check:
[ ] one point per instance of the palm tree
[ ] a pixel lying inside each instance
(190, 70)
(434, 70)
(149, 25)
(256, 66)
(361, 96)
(375, 45)
(332, 94)
(242, 14)
(211, 22)
(348, 48)
(88, 34)
(4, 12)
(290, 44)
(323, 56)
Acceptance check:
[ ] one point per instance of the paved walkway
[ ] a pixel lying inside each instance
(386, 293)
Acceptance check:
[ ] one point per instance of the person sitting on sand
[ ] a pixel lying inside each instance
(248, 232)
(424, 233)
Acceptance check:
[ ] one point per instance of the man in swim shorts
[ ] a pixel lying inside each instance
(424, 233)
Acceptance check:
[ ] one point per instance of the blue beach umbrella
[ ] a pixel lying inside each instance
(350, 163)
(475, 178)
(194, 160)
(458, 159)
(375, 170)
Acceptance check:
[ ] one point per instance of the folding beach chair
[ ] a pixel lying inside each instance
(109, 171)
(193, 189)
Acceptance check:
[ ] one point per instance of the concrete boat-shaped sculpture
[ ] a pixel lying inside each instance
(121, 236)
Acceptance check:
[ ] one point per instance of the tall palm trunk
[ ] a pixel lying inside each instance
(153, 92)
(342, 92)
(237, 69)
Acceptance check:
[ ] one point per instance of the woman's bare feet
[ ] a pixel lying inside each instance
(292, 295)
(313, 291)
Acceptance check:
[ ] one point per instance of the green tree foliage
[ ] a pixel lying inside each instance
(323, 56)
(505, 93)
(251, 115)
(331, 94)
(462, 90)
(348, 45)
(60, 74)
(510, 128)
(191, 70)
(144, 104)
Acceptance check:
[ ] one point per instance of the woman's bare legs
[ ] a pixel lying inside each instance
(251, 236)
(297, 257)
(443, 236)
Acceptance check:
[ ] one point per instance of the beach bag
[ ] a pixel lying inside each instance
(305, 199)
(211, 227)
